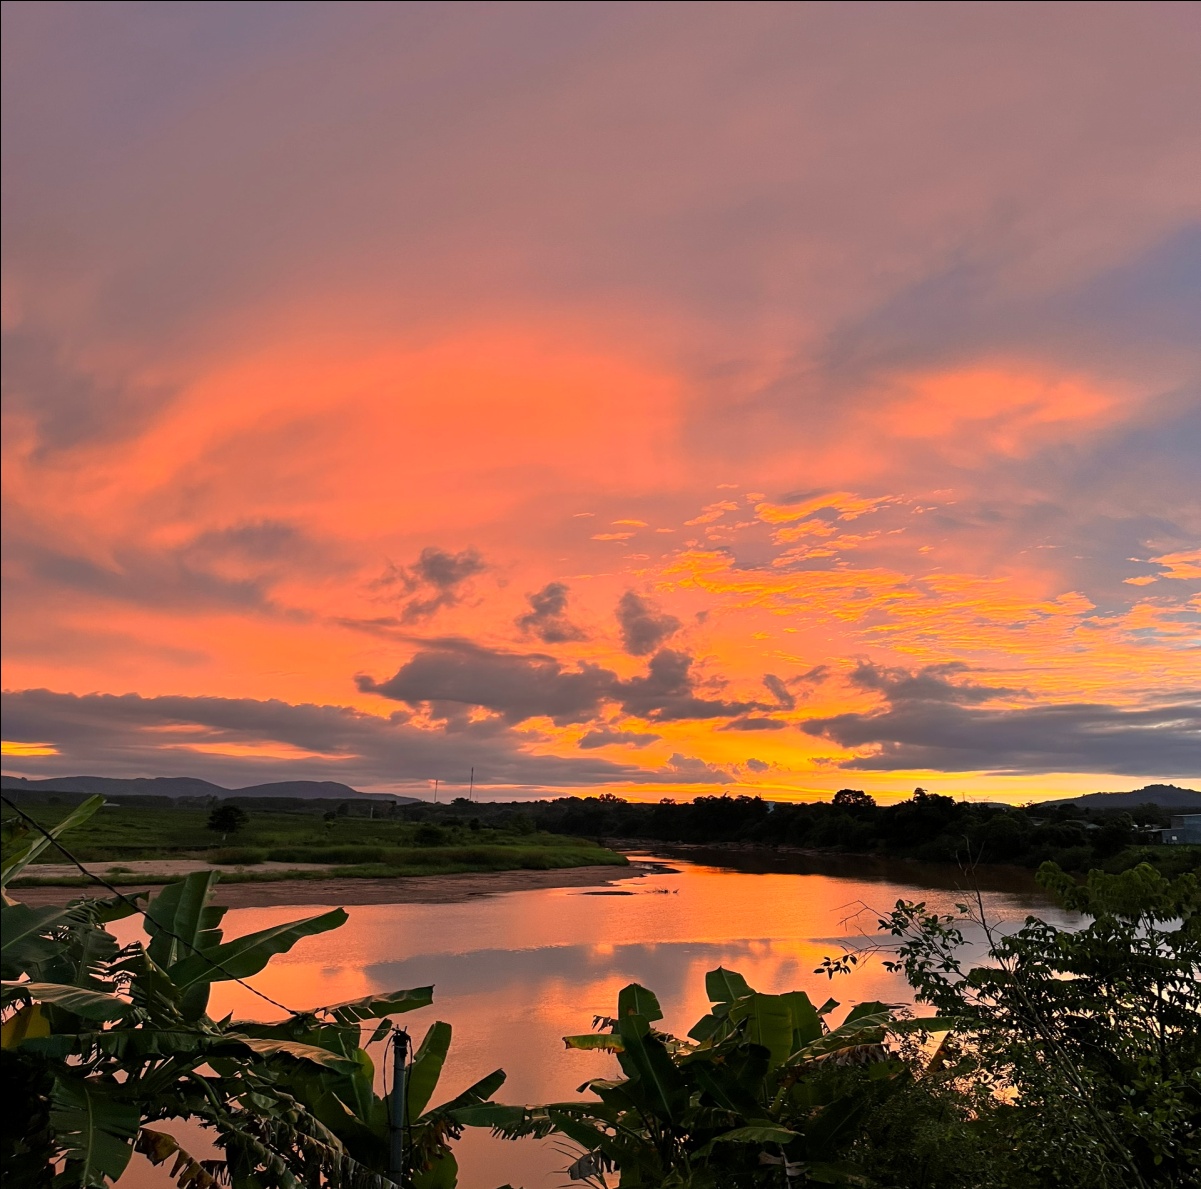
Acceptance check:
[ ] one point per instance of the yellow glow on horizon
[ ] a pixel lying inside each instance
(15, 749)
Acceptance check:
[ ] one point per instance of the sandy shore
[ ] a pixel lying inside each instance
(405, 889)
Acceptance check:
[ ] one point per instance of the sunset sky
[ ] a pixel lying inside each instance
(651, 398)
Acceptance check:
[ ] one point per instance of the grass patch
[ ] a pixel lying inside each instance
(242, 856)
(359, 846)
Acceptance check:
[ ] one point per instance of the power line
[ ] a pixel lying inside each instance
(142, 912)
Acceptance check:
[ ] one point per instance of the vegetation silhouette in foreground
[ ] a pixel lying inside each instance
(1070, 1058)
(101, 1042)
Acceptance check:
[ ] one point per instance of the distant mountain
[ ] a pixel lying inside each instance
(1167, 796)
(188, 786)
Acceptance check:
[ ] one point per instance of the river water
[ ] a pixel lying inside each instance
(514, 973)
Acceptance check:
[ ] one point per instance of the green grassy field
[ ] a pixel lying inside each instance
(346, 845)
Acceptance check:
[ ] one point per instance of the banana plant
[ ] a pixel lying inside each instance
(344, 1100)
(102, 1041)
(762, 1091)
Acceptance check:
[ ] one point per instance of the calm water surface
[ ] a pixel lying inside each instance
(514, 973)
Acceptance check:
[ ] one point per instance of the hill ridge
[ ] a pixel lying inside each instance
(190, 786)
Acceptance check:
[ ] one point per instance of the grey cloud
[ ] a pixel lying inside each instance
(129, 735)
(780, 691)
(547, 616)
(755, 765)
(929, 724)
(929, 684)
(691, 769)
(435, 580)
(643, 627)
(603, 736)
(752, 723)
(517, 686)
(667, 693)
(234, 567)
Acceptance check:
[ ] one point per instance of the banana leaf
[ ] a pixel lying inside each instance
(14, 863)
(595, 1040)
(94, 1130)
(80, 1001)
(373, 1007)
(636, 1000)
(724, 986)
(180, 921)
(427, 1068)
(22, 946)
(246, 956)
(653, 1076)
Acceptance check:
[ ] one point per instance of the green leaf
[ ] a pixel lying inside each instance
(725, 986)
(721, 1084)
(758, 1133)
(768, 1023)
(13, 864)
(646, 1061)
(476, 1093)
(292, 1048)
(23, 945)
(806, 1022)
(373, 1007)
(872, 1008)
(490, 1114)
(427, 1068)
(93, 1129)
(636, 1000)
(91, 1005)
(706, 1027)
(179, 922)
(246, 956)
(443, 1173)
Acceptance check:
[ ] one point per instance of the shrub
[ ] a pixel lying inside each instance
(244, 856)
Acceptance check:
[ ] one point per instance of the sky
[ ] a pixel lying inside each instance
(658, 399)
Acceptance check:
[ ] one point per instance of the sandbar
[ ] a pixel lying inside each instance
(403, 889)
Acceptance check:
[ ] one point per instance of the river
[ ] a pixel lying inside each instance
(514, 973)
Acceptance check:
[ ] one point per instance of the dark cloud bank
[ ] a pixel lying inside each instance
(929, 722)
(129, 735)
(453, 676)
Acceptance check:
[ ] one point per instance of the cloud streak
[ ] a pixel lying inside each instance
(528, 298)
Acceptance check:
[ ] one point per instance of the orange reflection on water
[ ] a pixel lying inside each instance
(515, 973)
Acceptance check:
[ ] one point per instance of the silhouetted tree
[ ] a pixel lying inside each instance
(226, 820)
(854, 799)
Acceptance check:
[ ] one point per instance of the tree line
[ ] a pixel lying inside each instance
(926, 826)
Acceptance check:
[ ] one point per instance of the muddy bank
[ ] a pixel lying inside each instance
(404, 889)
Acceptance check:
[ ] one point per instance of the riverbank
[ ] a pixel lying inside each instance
(762, 858)
(405, 889)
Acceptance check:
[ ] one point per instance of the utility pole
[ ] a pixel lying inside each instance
(471, 786)
(398, 1107)
(435, 790)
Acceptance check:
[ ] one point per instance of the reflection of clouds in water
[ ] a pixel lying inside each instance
(515, 973)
